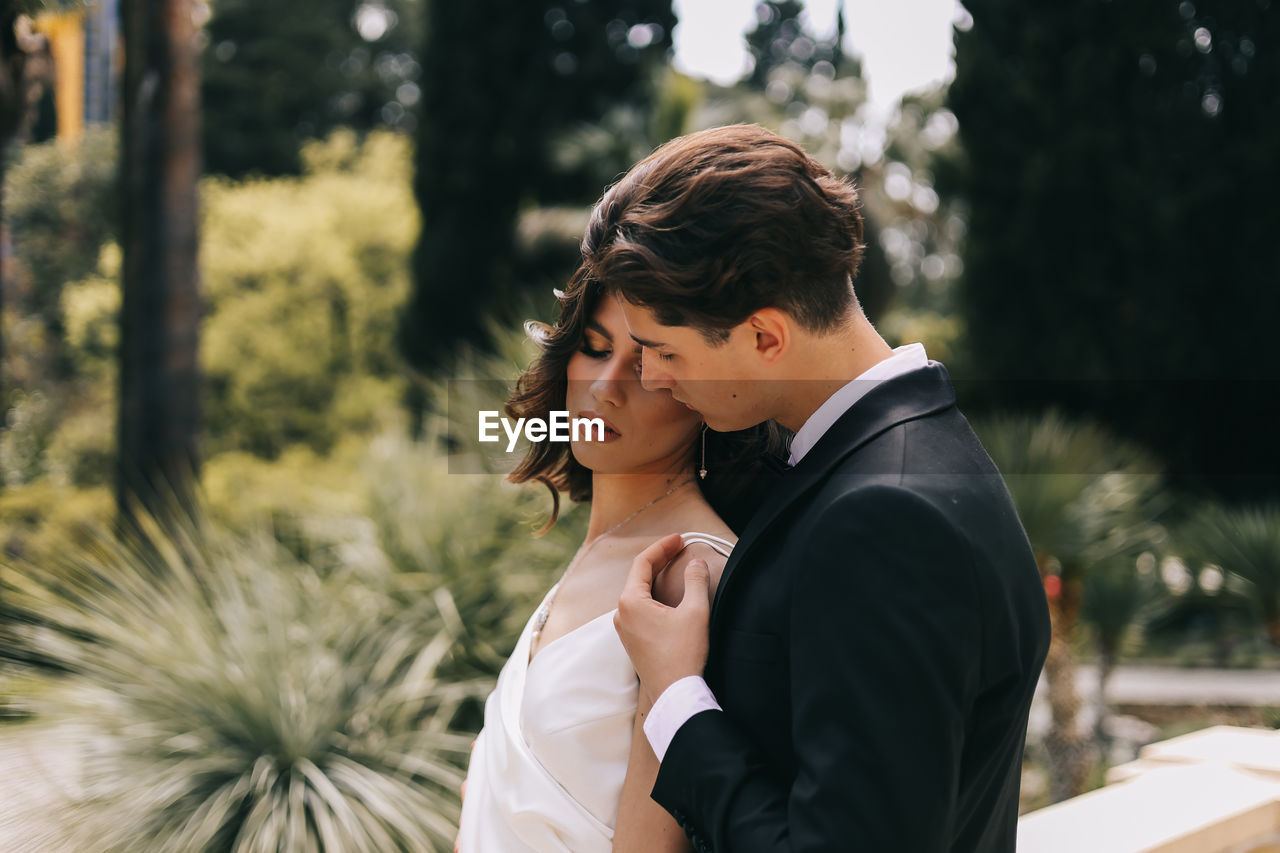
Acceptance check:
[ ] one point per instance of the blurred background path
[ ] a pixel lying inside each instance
(36, 775)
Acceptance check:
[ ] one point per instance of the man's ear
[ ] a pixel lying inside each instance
(772, 329)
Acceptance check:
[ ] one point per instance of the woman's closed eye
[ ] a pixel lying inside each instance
(603, 354)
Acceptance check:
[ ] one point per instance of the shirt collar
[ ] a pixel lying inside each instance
(904, 359)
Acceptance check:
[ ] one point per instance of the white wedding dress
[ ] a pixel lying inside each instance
(547, 769)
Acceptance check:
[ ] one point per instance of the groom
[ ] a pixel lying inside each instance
(863, 678)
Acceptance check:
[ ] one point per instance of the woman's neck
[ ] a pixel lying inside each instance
(615, 497)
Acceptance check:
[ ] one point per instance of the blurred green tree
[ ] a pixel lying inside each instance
(500, 81)
(779, 38)
(277, 74)
(1089, 503)
(1119, 172)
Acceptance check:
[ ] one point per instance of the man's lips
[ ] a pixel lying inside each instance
(683, 403)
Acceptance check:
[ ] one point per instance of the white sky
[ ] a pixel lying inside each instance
(904, 44)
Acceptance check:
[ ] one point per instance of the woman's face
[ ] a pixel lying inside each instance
(647, 431)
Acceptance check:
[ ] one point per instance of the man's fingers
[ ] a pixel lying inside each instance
(697, 586)
(639, 583)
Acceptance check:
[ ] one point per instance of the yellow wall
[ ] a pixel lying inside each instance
(66, 42)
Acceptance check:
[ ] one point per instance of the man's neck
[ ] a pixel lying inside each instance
(825, 365)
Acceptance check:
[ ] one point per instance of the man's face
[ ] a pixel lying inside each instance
(719, 382)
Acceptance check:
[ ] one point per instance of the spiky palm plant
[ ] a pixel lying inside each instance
(234, 699)
(472, 534)
(1086, 500)
(1245, 543)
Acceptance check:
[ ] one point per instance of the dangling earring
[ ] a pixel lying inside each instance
(702, 470)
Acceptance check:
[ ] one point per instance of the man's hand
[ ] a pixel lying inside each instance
(665, 643)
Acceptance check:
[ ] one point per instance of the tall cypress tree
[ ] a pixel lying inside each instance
(1120, 176)
(276, 73)
(500, 80)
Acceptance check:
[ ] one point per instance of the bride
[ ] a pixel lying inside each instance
(562, 763)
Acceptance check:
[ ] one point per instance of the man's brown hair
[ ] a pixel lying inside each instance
(718, 224)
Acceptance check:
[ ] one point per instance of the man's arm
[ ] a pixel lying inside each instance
(883, 653)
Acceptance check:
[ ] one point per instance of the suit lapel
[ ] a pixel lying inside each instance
(902, 398)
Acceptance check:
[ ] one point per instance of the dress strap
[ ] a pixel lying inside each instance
(720, 546)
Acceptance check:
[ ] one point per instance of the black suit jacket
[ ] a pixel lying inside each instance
(875, 641)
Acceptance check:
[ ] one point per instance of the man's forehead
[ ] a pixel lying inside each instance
(641, 324)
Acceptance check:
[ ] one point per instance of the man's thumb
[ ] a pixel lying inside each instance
(697, 583)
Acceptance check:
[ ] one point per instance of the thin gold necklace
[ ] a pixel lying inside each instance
(540, 618)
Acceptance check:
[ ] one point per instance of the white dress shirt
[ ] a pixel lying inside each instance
(691, 695)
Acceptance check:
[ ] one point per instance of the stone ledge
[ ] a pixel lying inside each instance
(1206, 792)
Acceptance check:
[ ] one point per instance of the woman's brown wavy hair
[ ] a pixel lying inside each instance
(737, 479)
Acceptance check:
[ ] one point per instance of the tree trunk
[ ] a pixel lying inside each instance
(159, 419)
(1273, 631)
(1068, 746)
(1106, 666)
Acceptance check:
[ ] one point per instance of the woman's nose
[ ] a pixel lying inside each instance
(610, 384)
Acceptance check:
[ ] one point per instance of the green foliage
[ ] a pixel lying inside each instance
(91, 314)
(472, 534)
(236, 699)
(29, 425)
(1111, 157)
(60, 206)
(40, 519)
(82, 448)
(501, 82)
(303, 278)
(1091, 505)
(1120, 601)
(1245, 543)
(1083, 496)
(275, 76)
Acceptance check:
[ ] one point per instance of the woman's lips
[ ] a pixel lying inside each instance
(610, 434)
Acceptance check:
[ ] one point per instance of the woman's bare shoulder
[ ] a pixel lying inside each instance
(668, 586)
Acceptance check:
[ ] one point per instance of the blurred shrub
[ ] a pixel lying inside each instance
(1243, 542)
(29, 422)
(82, 448)
(40, 519)
(303, 278)
(232, 698)
(65, 427)
(60, 207)
(91, 313)
(472, 534)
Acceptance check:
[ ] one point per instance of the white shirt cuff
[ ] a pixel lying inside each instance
(686, 697)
